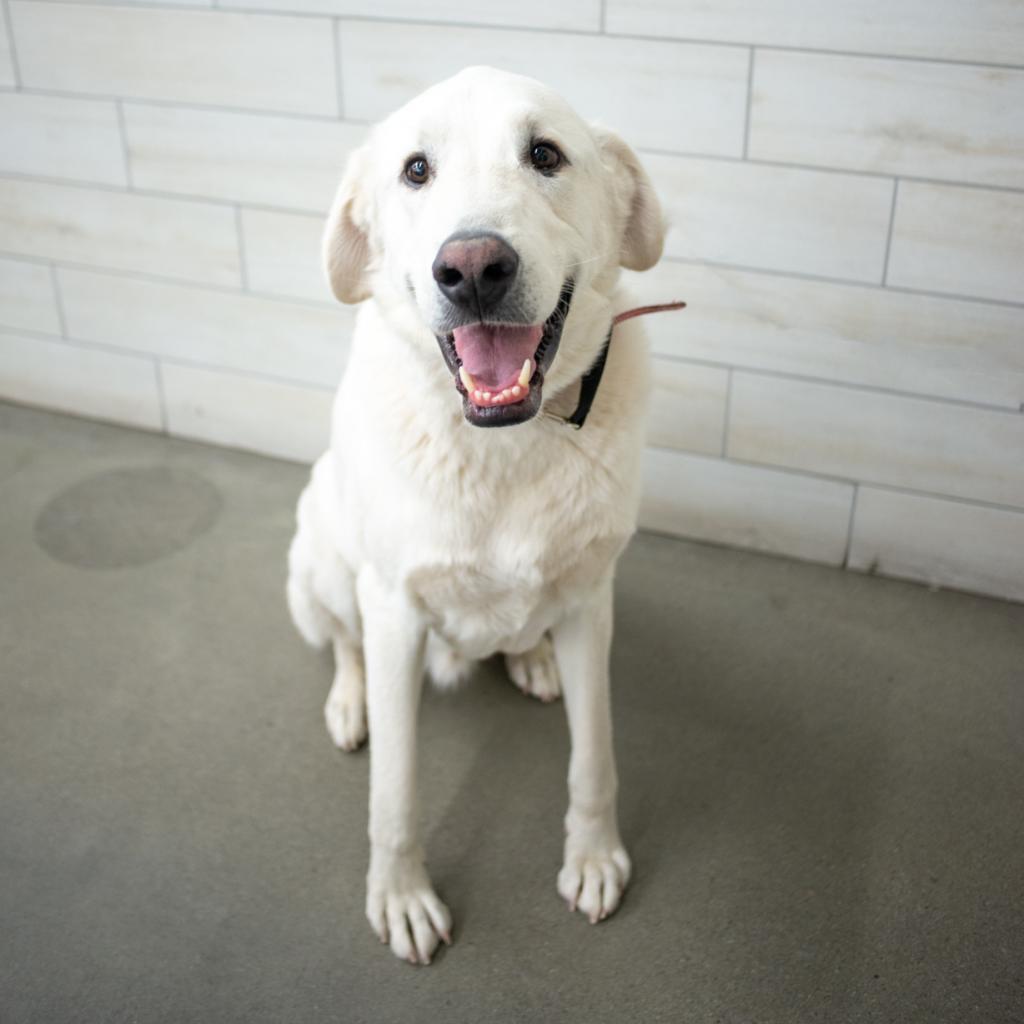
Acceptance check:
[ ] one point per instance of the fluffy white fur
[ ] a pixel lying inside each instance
(425, 542)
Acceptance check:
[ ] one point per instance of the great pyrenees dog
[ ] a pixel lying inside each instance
(483, 227)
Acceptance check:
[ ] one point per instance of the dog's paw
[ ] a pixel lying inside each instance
(593, 880)
(406, 913)
(345, 715)
(536, 671)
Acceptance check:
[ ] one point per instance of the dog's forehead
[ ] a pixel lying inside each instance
(484, 109)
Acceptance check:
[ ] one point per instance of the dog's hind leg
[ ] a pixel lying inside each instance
(345, 710)
(536, 671)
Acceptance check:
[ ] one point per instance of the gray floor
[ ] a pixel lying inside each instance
(822, 781)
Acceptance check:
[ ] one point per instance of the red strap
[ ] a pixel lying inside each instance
(642, 310)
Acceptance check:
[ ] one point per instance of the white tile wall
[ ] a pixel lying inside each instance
(103, 385)
(982, 30)
(688, 407)
(778, 218)
(61, 138)
(245, 158)
(861, 435)
(27, 298)
(663, 95)
(746, 506)
(584, 15)
(263, 62)
(172, 237)
(845, 190)
(218, 328)
(941, 542)
(260, 415)
(887, 116)
(965, 241)
(7, 75)
(282, 255)
(880, 338)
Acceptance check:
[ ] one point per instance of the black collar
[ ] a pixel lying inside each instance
(591, 380)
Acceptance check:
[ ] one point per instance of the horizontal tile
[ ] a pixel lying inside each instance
(282, 255)
(745, 506)
(662, 95)
(983, 30)
(27, 298)
(262, 62)
(877, 337)
(584, 15)
(908, 118)
(163, 3)
(904, 442)
(247, 158)
(688, 407)
(61, 138)
(947, 543)
(176, 238)
(222, 329)
(270, 417)
(7, 76)
(778, 218)
(101, 385)
(959, 240)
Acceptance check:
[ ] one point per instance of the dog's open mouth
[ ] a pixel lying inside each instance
(499, 368)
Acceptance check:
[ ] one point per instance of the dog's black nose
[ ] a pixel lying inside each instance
(475, 270)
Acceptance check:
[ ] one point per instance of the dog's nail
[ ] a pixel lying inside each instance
(447, 936)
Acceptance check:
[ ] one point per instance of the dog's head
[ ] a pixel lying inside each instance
(496, 217)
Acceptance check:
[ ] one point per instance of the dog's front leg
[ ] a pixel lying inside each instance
(596, 868)
(401, 904)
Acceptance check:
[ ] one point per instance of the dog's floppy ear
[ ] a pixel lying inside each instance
(644, 236)
(346, 242)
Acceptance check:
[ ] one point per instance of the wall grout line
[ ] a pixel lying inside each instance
(338, 80)
(400, 23)
(356, 122)
(125, 152)
(842, 481)
(327, 304)
(681, 261)
(849, 528)
(12, 43)
(171, 359)
(727, 413)
(776, 468)
(888, 236)
(750, 103)
(875, 390)
(58, 300)
(240, 235)
(799, 275)
(834, 382)
(161, 395)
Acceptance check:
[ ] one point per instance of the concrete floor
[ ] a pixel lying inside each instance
(822, 781)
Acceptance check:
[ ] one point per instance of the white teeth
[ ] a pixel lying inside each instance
(516, 391)
(467, 379)
(478, 395)
(487, 395)
(525, 374)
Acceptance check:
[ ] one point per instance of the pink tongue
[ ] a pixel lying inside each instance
(494, 353)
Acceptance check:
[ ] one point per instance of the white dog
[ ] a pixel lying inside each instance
(485, 224)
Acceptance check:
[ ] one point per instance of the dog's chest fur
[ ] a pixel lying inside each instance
(492, 533)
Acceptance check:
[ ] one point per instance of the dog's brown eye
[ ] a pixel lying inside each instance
(545, 157)
(417, 170)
